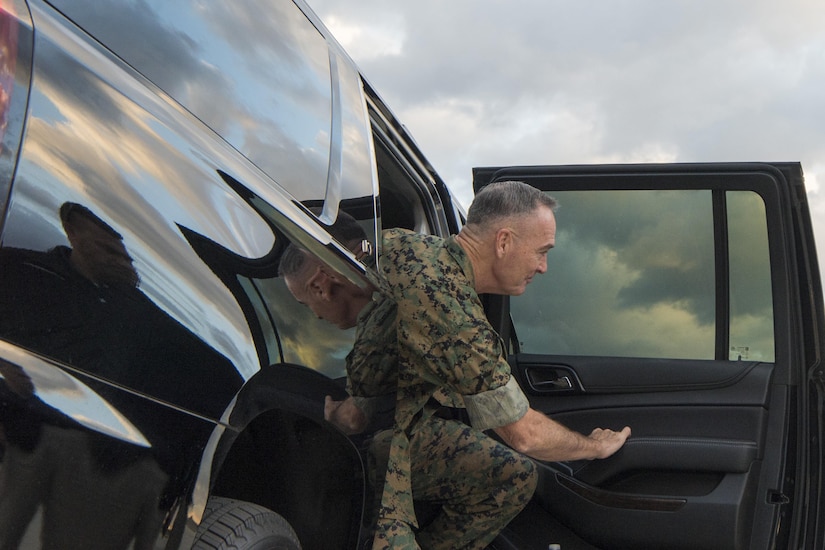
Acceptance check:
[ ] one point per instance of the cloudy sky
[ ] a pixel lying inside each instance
(506, 82)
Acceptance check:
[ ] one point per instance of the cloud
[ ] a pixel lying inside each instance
(633, 274)
(499, 82)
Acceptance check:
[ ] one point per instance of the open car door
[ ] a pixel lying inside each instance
(685, 302)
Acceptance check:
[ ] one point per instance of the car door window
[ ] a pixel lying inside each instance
(633, 274)
(273, 87)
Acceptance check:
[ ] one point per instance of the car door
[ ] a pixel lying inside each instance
(682, 301)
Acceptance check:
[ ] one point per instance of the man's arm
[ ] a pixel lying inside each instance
(542, 438)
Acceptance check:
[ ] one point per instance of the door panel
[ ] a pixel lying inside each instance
(693, 459)
(665, 308)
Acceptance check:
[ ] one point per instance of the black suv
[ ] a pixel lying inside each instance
(160, 388)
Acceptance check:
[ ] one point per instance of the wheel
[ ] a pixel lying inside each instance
(237, 525)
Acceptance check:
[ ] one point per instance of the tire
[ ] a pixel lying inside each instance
(237, 525)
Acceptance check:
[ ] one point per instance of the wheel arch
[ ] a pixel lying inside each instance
(280, 453)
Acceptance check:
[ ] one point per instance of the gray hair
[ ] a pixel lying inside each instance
(505, 199)
(292, 260)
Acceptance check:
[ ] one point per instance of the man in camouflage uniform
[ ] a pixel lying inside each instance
(446, 344)
(447, 455)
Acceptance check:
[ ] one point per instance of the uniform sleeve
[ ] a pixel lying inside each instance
(498, 407)
(372, 364)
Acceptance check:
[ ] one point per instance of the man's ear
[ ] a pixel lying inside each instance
(503, 241)
(320, 284)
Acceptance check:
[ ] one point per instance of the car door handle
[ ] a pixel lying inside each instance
(561, 383)
(550, 379)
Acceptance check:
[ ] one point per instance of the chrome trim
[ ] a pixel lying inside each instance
(65, 393)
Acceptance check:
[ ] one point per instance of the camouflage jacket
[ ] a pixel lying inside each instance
(444, 343)
(372, 365)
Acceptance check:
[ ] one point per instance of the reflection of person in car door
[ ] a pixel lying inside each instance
(444, 472)
(54, 463)
(371, 364)
(81, 305)
(97, 250)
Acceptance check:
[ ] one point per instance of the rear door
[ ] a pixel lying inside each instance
(683, 301)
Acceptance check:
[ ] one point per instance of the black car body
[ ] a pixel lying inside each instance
(168, 381)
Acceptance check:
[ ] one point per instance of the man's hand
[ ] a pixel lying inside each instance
(345, 415)
(542, 438)
(609, 441)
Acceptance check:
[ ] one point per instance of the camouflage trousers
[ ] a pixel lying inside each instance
(479, 483)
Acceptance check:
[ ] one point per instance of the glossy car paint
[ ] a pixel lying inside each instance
(154, 154)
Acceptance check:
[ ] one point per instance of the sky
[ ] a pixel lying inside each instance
(517, 82)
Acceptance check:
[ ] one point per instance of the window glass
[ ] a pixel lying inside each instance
(263, 78)
(632, 275)
(751, 303)
(303, 338)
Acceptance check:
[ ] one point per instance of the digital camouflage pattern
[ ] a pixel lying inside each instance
(372, 364)
(480, 484)
(446, 343)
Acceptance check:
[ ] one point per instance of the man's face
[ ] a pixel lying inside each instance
(315, 290)
(531, 238)
(99, 255)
